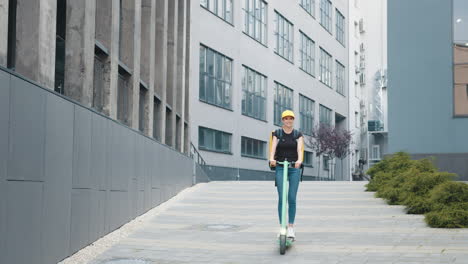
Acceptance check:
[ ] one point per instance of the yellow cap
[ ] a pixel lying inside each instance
(287, 113)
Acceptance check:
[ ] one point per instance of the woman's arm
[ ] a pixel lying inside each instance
(300, 152)
(274, 143)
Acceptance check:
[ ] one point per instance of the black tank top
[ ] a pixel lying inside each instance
(287, 146)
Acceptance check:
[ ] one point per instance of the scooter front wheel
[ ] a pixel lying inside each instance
(282, 244)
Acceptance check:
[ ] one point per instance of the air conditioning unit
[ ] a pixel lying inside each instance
(361, 26)
(362, 78)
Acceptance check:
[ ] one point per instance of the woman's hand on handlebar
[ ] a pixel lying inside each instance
(273, 163)
(297, 164)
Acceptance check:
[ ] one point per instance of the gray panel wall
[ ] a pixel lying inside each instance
(69, 175)
(420, 85)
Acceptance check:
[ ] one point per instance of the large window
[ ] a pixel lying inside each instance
(255, 20)
(284, 37)
(307, 52)
(306, 111)
(325, 115)
(221, 8)
(326, 14)
(253, 148)
(340, 27)
(11, 46)
(283, 100)
(253, 94)
(124, 97)
(308, 159)
(325, 68)
(214, 140)
(309, 6)
(460, 57)
(215, 78)
(340, 78)
(60, 46)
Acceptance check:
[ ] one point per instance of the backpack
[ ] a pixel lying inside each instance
(279, 132)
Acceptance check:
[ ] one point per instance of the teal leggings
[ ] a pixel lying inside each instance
(294, 177)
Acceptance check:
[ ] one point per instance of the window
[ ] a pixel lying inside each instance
(253, 94)
(124, 96)
(60, 46)
(460, 57)
(307, 52)
(255, 20)
(215, 78)
(308, 159)
(309, 6)
(356, 119)
(221, 8)
(326, 14)
(306, 112)
(253, 148)
(340, 27)
(214, 140)
(326, 163)
(101, 69)
(142, 108)
(325, 68)
(325, 115)
(11, 46)
(375, 154)
(340, 78)
(157, 119)
(284, 37)
(283, 100)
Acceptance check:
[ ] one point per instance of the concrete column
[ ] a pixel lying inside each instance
(35, 39)
(188, 15)
(136, 62)
(147, 60)
(160, 70)
(79, 51)
(114, 59)
(171, 95)
(3, 32)
(181, 53)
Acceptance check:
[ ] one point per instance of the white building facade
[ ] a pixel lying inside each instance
(251, 60)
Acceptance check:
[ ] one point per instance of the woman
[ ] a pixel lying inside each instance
(288, 146)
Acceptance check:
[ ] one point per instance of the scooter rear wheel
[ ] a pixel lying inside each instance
(282, 244)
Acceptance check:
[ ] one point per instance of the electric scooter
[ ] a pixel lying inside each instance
(285, 241)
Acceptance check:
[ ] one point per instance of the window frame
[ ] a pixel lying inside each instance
(309, 46)
(284, 43)
(282, 104)
(215, 134)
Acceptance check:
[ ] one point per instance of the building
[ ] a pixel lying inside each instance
(256, 58)
(94, 122)
(368, 83)
(427, 85)
(126, 59)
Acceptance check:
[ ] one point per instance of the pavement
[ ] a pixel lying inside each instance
(237, 222)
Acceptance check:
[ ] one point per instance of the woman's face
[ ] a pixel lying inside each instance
(288, 121)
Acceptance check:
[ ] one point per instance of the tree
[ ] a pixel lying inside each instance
(331, 141)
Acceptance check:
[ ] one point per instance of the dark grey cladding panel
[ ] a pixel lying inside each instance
(141, 202)
(99, 165)
(102, 212)
(140, 154)
(27, 131)
(119, 209)
(82, 149)
(58, 179)
(4, 127)
(94, 215)
(80, 215)
(119, 158)
(23, 235)
(4, 121)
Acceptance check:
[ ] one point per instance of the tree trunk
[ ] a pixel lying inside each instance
(318, 172)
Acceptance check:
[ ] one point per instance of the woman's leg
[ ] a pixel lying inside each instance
(294, 177)
(279, 187)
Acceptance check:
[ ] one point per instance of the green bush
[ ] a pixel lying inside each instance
(415, 192)
(419, 186)
(455, 216)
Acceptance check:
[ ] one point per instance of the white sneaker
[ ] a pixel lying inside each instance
(291, 233)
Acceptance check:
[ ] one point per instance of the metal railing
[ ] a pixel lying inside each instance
(196, 155)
